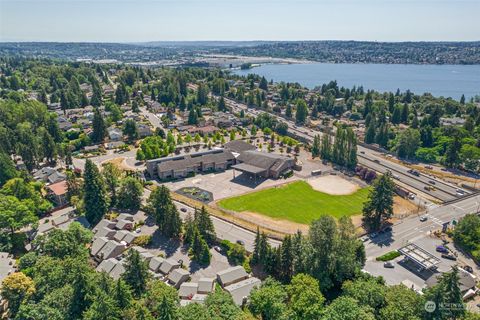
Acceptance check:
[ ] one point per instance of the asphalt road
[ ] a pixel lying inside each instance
(412, 229)
(224, 229)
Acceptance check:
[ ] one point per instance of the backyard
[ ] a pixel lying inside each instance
(297, 202)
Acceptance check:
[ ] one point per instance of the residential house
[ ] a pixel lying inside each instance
(58, 193)
(231, 275)
(177, 277)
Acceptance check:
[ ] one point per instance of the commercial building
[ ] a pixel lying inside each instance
(184, 165)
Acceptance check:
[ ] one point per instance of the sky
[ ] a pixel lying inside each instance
(189, 20)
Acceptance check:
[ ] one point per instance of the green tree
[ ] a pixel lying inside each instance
(16, 288)
(447, 297)
(269, 300)
(130, 129)
(402, 303)
(199, 248)
(316, 147)
(130, 195)
(326, 150)
(136, 272)
(7, 169)
(205, 224)
(379, 205)
(102, 308)
(305, 299)
(111, 175)
(166, 216)
(347, 308)
(99, 127)
(407, 143)
(368, 292)
(95, 194)
(452, 154)
(14, 214)
(301, 112)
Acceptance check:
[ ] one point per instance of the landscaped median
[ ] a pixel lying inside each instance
(389, 256)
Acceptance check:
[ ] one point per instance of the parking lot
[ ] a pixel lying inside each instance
(408, 270)
(224, 185)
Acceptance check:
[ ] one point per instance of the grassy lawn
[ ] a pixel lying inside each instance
(297, 202)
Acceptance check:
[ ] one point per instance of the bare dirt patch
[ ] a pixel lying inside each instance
(333, 185)
(120, 163)
(282, 226)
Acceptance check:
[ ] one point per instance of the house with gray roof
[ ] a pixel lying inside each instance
(155, 263)
(104, 223)
(241, 290)
(107, 265)
(97, 245)
(177, 277)
(187, 290)
(111, 249)
(231, 275)
(206, 285)
(168, 265)
(117, 271)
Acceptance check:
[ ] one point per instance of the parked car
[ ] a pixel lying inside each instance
(442, 249)
(388, 229)
(423, 218)
(241, 242)
(468, 269)
(388, 265)
(183, 209)
(364, 238)
(217, 248)
(373, 235)
(449, 257)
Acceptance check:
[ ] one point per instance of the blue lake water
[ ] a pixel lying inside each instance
(440, 80)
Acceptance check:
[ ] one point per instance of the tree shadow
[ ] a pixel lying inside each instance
(169, 246)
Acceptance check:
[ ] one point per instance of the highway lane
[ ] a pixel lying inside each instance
(402, 175)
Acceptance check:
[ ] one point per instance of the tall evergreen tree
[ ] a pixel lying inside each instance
(95, 195)
(164, 212)
(316, 146)
(98, 125)
(326, 150)
(379, 205)
(205, 225)
(136, 272)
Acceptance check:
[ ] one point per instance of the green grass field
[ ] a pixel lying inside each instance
(297, 202)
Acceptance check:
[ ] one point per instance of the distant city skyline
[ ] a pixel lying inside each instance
(229, 20)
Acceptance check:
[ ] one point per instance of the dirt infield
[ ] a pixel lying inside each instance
(334, 185)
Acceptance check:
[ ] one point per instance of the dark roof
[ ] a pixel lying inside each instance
(466, 281)
(239, 146)
(244, 167)
(176, 163)
(267, 161)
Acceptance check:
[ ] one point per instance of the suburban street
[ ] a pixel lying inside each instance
(224, 229)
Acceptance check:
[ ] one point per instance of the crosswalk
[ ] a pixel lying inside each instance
(434, 219)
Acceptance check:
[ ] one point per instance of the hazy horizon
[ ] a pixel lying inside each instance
(128, 21)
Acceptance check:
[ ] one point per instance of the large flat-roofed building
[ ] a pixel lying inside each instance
(263, 164)
(183, 165)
